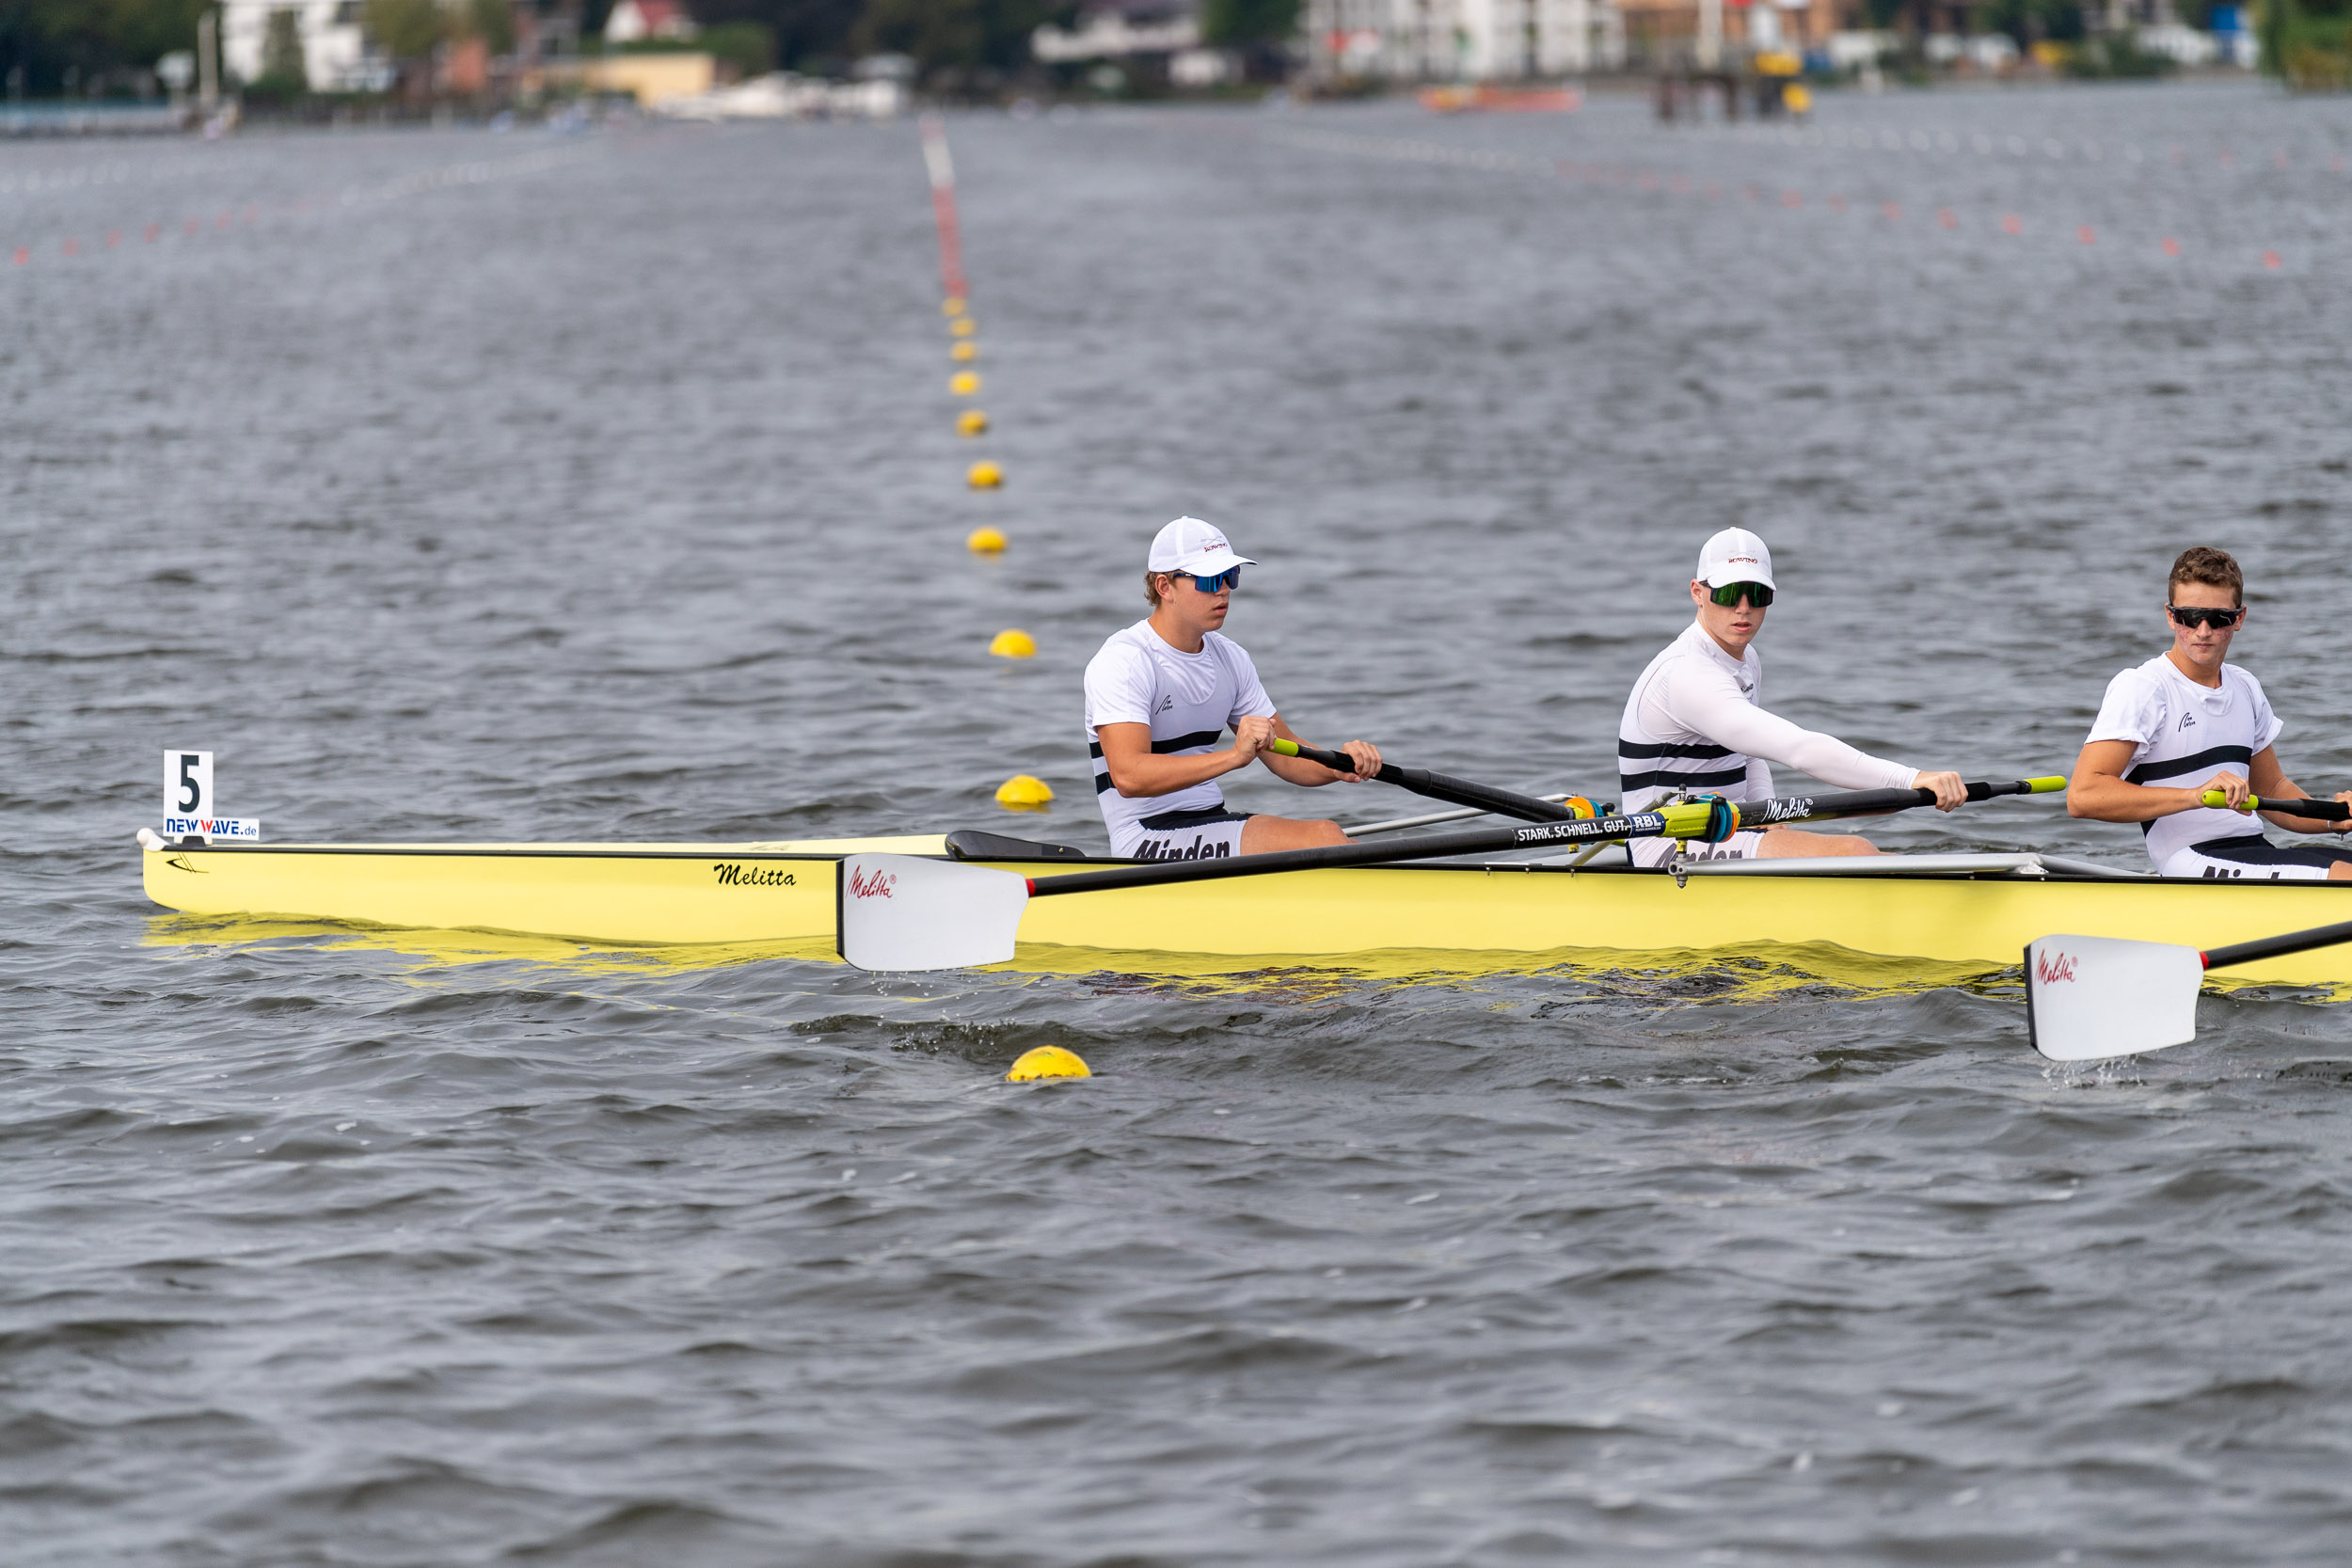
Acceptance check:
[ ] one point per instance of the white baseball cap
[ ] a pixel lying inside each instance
(1734, 554)
(1189, 544)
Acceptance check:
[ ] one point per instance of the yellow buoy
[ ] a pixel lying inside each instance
(963, 354)
(1012, 643)
(965, 384)
(1047, 1061)
(1796, 98)
(984, 475)
(985, 541)
(1024, 792)
(963, 326)
(951, 306)
(971, 423)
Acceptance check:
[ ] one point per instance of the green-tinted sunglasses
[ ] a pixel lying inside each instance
(1731, 592)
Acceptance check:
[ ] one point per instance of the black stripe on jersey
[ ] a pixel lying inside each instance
(1162, 748)
(1664, 780)
(2179, 766)
(1642, 751)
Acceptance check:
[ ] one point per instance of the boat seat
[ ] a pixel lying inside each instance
(970, 844)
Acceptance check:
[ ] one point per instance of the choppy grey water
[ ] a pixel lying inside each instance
(455, 486)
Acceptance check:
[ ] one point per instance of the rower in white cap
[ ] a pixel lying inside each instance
(1159, 697)
(1695, 723)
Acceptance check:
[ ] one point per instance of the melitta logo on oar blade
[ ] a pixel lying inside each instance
(2049, 967)
(868, 883)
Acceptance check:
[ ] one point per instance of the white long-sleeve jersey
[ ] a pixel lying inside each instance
(1695, 722)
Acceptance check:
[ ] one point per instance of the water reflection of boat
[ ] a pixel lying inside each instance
(1467, 99)
(1923, 913)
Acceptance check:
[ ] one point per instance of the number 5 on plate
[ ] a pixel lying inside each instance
(187, 783)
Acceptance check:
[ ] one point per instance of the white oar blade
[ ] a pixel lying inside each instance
(898, 911)
(2088, 998)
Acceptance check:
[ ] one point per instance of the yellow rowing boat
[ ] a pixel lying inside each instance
(1956, 913)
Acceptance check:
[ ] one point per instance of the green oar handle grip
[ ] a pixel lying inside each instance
(2016, 786)
(2325, 811)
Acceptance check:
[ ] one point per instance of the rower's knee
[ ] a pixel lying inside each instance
(1265, 834)
(1798, 843)
(2339, 872)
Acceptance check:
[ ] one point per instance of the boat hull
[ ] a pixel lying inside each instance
(782, 896)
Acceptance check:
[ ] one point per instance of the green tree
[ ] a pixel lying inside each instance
(285, 74)
(492, 22)
(957, 35)
(2308, 43)
(92, 38)
(1240, 24)
(808, 34)
(407, 31)
(747, 46)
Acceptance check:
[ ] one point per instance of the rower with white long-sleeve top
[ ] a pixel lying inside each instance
(1695, 722)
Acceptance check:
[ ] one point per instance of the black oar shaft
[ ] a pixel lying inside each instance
(1440, 787)
(2279, 947)
(2325, 811)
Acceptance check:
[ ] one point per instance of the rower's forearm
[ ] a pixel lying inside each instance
(2111, 800)
(1145, 777)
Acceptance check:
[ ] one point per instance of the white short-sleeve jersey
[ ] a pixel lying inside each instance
(1189, 701)
(2182, 734)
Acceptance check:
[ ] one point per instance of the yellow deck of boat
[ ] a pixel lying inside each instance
(780, 895)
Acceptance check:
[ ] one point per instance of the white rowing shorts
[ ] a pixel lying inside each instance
(1186, 836)
(2253, 859)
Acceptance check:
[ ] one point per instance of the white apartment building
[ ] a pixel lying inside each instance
(335, 54)
(1475, 41)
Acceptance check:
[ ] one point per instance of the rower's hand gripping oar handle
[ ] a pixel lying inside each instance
(2325, 811)
(1440, 786)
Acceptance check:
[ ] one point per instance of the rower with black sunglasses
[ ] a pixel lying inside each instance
(1695, 724)
(2184, 715)
(1160, 695)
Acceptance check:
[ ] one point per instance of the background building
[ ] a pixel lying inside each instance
(335, 53)
(1462, 39)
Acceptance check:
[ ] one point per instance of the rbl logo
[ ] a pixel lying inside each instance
(871, 884)
(2050, 968)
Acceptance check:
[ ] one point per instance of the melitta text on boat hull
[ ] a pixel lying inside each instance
(1971, 910)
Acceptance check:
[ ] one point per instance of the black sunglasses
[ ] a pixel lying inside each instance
(1731, 592)
(2221, 619)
